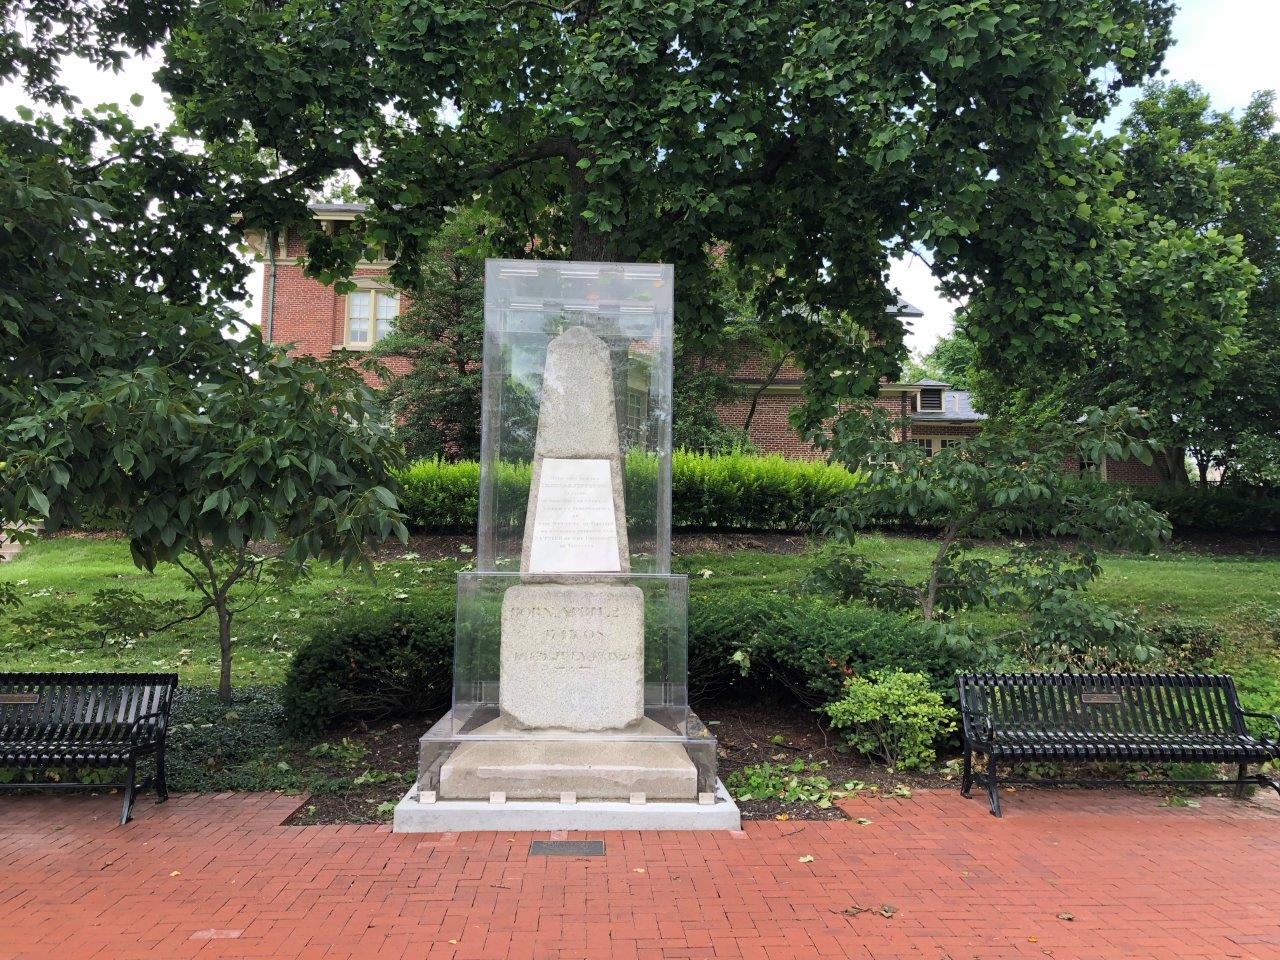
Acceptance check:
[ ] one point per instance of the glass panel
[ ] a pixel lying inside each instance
(388, 310)
(478, 659)
(358, 316)
(630, 308)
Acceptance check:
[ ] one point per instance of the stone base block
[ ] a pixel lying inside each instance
(420, 814)
(572, 656)
(541, 765)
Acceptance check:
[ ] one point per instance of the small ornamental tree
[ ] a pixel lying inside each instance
(1007, 481)
(437, 402)
(280, 456)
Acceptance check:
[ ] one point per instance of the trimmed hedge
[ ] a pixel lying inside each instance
(372, 661)
(1240, 511)
(751, 491)
(737, 491)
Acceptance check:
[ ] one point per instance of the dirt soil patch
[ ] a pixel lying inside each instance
(781, 733)
(360, 770)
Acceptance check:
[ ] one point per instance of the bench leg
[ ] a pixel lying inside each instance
(966, 778)
(993, 788)
(162, 784)
(130, 789)
(1242, 773)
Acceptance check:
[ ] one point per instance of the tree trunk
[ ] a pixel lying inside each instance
(588, 244)
(224, 644)
(1171, 464)
(935, 569)
(1202, 465)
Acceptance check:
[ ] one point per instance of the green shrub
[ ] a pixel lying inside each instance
(748, 491)
(749, 643)
(1186, 644)
(894, 716)
(735, 491)
(370, 662)
(440, 495)
(1240, 511)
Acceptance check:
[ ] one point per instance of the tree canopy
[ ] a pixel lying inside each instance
(119, 390)
(1192, 334)
(814, 147)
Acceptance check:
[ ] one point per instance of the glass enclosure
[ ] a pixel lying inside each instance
(629, 307)
(571, 655)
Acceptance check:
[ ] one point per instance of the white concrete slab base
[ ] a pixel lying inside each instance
(418, 813)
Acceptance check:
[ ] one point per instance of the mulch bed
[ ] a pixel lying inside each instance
(748, 734)
(744, 732)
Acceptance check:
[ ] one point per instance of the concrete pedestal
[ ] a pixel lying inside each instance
(543, 764)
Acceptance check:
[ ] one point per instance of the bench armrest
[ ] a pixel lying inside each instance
(157, 718)
(1262, 716)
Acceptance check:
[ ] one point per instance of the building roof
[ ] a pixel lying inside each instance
(956, 406)
(342, 210)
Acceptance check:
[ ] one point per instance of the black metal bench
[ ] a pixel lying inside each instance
(96, 720)
(1069, 717)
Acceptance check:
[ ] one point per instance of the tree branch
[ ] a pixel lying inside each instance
(541, 150)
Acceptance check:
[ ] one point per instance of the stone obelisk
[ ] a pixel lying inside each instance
(573, 650)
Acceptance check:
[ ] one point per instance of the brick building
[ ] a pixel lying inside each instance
(317, 321)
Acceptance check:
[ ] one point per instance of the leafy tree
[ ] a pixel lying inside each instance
(1173, 126)
(950, 361)
(118, 390)
(1007, 481)
(437, 401)
(811, 150)
(1175, 323)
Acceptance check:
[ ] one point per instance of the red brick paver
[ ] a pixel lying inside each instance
(217, 877)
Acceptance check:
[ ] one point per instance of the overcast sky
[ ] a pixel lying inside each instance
(1227, 46)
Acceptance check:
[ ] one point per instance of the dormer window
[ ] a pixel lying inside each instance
(931, 399)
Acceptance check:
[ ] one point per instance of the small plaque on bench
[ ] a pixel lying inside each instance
(18, 698)
(1094, 699)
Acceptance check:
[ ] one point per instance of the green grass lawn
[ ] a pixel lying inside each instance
(65, 571)
(1240, 596)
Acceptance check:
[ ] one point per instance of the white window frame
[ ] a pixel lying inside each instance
(377, 292)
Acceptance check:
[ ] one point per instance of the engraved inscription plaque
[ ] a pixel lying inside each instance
(1095, 699)
(575, 529)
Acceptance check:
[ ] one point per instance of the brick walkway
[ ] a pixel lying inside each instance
(218, 877)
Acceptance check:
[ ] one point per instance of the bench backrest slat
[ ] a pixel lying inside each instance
(1104, 703)
(80, 707)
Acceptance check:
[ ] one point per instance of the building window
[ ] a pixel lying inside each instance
(950, 442)
(931, 398)
(371, 316)
(637, 417)
(926, 444)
